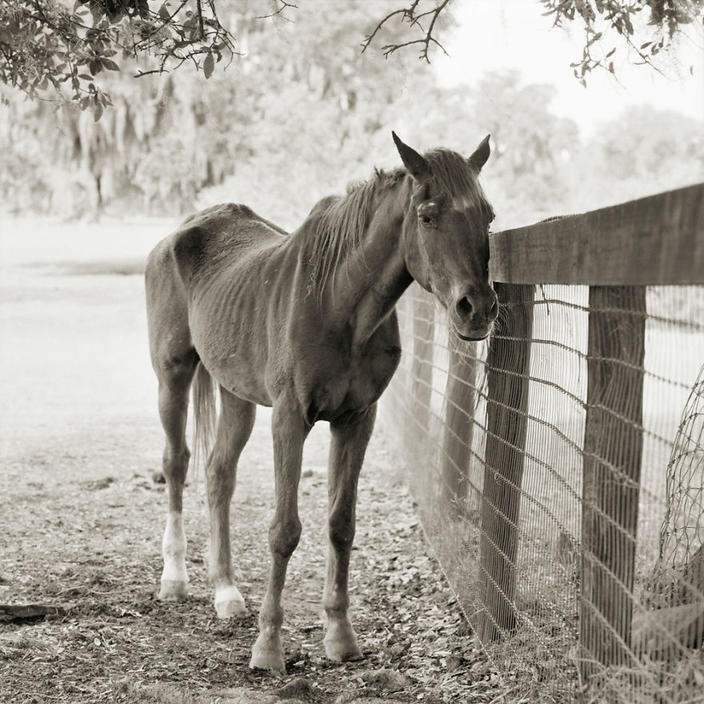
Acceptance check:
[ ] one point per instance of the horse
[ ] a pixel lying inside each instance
(304, 323)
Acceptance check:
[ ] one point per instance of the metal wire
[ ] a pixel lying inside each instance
(599, 427)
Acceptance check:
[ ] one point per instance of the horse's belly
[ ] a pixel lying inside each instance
(235, 363)
(246, 386)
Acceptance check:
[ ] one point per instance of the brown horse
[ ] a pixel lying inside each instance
(304, 323)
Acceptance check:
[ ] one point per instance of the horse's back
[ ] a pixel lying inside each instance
(209, 240)
(219, 236)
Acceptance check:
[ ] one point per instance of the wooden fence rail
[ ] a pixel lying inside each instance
(651, 241)
(617, 251)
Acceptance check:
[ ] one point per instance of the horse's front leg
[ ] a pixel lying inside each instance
(289, 429)
(349, 443)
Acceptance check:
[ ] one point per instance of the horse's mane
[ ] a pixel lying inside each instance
(340, 223)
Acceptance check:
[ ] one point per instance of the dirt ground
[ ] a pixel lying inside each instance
(81, 519)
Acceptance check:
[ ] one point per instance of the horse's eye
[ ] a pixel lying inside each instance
(426, 220)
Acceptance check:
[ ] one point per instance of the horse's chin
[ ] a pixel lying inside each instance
(473, 336)
(467, 338)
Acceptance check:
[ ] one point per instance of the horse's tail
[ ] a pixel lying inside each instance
(204, 413)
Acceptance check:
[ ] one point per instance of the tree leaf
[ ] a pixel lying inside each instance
(110, 65)
(97, 111)
(208, 65)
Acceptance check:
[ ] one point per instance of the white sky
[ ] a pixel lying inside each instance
(497, 34)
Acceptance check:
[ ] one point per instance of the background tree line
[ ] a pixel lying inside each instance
(305, 113)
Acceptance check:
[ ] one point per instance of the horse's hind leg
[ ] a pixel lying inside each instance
(175, 374)
(174, 360)
(234, 428)
(349, 442)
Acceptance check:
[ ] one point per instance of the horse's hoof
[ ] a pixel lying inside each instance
(267, 657)
(229, 602)
(341, 644)
(173, 590)
(342, 651)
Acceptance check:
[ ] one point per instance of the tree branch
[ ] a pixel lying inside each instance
(280, 7)
(409, 14)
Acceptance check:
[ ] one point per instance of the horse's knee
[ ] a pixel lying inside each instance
(284, 536)
(341, 531)
(341, 527)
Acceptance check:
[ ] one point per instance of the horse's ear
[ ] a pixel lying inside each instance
(481, 154)
(415, 164)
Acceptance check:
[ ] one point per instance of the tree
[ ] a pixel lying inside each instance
(47, 47)
(172, 141)
(612, 23)
(643, 150)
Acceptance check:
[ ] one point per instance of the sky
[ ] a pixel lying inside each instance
(513, 34)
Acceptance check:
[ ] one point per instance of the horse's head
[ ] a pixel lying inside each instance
(445, 235)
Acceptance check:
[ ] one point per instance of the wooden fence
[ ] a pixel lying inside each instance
(617, 251)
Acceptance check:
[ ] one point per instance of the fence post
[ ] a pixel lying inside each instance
(508, 367)
(422, 363)
(460, 395)
(613, 448)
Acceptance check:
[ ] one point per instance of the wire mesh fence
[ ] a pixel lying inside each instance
(559, 472)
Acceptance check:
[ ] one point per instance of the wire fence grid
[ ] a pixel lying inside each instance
(559, 472)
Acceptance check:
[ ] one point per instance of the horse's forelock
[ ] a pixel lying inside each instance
(453, 174)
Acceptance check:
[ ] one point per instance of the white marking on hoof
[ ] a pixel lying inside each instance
(267, 654)
(173, 590)
(229, 602)
(173, 550)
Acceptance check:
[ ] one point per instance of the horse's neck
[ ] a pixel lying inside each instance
(373, 277)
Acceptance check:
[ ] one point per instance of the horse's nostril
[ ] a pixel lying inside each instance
(464, 307)
(492, 307)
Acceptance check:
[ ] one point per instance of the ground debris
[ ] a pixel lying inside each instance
(82, 529)
(14, 613)
(298, 688)
(245, 695)
(385, 679)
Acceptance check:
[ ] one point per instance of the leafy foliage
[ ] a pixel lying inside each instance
(48, 49)
(615, 21)
(45, 45)
(616, 24)
(301, 116)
